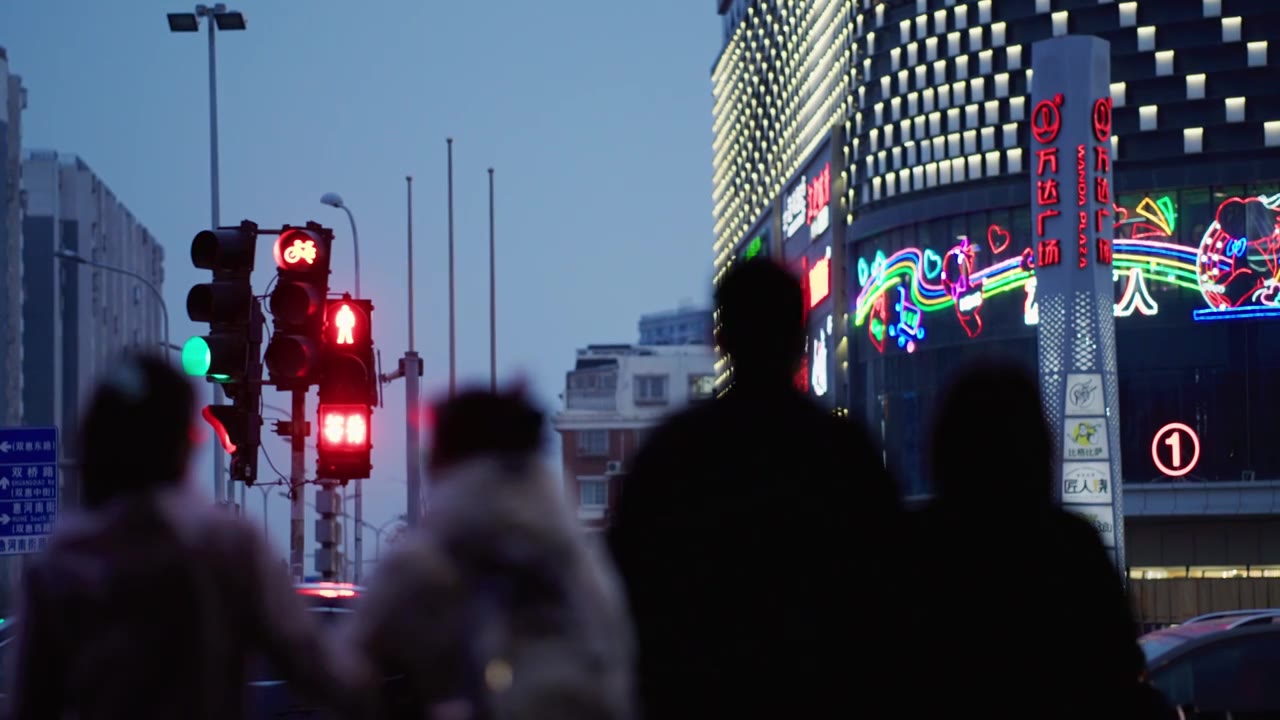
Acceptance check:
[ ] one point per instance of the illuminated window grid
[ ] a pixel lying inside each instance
(780, 84)
(975, 106)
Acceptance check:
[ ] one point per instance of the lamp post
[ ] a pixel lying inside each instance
(73, 257)
(333, 199)
(220, 18)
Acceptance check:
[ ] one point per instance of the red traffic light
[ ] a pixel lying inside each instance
(346, 323)
(298, 249)
(344, 428)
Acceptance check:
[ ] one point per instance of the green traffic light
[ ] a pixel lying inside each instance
(196, 357)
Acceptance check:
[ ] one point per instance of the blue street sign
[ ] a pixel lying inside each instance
(28, 488)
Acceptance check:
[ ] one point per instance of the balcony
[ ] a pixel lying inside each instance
(591, 399)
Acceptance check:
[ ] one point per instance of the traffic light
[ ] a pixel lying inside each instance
(297, 306)
(225, 304)
(230, 354)
(348, 391)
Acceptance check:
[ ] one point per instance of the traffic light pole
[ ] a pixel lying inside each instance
(297, 478)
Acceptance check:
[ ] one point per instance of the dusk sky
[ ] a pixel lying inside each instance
(596, 116)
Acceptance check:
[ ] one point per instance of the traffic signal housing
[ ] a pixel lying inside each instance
(297, 306)
(238, 426)
(348, 391)
(225, 303)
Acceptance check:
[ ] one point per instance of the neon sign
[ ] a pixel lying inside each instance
(1242, 245)
(820, 280)
(1236, 263)
(908, 329)
(820, 362)
(795, 208)
(965, 291)
(809, 203)
(818, 213)
(1179, 445)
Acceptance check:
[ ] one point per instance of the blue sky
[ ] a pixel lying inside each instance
(596, 116)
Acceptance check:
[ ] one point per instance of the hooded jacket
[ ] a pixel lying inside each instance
(500, 602)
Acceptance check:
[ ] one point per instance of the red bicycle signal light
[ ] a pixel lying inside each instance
(302, 250)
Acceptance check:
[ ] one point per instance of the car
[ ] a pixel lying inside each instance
(268, 695)
(1218, 663)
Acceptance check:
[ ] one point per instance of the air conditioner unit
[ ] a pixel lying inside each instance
(613, 467)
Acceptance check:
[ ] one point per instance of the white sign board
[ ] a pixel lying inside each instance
(1086, 483)
(1084, 395)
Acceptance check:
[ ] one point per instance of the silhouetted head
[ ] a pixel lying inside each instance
(137, 430)
(479, 423)
(990, 441)
(761, 309)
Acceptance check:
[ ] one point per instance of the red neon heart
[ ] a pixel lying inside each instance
(998, 238)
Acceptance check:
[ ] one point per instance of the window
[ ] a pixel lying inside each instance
(651, 389)
(593, 443)
(1230, 674)
(593, 492)
(702, 387)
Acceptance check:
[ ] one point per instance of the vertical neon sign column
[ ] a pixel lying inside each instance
(1073, 226)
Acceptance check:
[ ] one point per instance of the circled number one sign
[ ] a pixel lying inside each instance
(1175, 449)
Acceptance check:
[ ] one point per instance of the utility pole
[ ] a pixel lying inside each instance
(297, 478)
(411, 370)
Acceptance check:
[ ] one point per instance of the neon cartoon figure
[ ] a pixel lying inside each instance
(957, 270)
(1237, 257)
(908, 329)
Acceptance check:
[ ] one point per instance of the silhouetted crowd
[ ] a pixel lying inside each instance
(760, 564)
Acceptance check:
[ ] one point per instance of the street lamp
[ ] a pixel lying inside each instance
(227, 20)
(73, 257)
(333, 199)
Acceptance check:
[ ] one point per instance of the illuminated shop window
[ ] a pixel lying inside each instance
(991, 112)
(922, 76)
(940, 21)
(1042, 6)
(1212, 8)
(931, 174)
(1014, 156)
(913, 54)
(940, 78)
(984, 12)
(1002, 85)
(931, 49)
(922, 26)
(1017, 108)
(1164, 62)
(988, 138)
(962, 17)
(1060, 23)
(971, 116)
(904, 32)
(962, 67)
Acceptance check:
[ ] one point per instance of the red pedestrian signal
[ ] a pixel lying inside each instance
(348, 389)
(344, 445)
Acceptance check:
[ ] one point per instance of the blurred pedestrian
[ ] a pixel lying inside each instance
(495, 607)
(1026, 585)
(150, 602)
(755, 534)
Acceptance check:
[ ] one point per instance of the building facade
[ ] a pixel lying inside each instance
(77, 319)
(926, 106)
(13, 100)
(614, 395)
(683, 326)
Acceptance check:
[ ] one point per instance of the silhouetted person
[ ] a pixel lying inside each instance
(495, 606)
(755, 536)
(1022, 613)
(151, 602)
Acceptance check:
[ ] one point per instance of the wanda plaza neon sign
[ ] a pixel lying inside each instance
(1046, 122)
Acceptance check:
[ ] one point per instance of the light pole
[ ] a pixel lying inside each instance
(220, 19)
(72, 257)
(333, 199)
